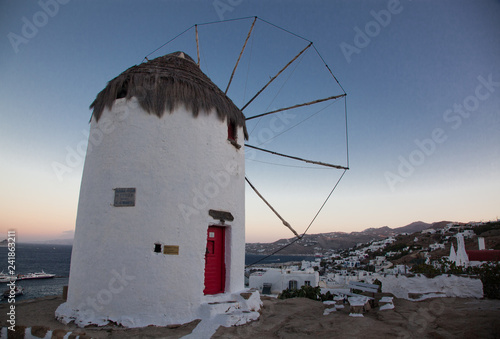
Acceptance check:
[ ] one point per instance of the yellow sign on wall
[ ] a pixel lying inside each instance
(172, 249)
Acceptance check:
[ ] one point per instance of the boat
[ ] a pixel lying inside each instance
(6, 277)
(17, 292)
(36, 275)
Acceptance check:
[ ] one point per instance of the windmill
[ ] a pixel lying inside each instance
(160, 231)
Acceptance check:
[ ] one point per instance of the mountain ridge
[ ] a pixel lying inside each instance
(313, 243)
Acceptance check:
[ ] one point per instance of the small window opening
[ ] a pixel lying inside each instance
(231, 131)
(292, 284)
(122, 92)
(307, 283)
(232, 134)
(157, 248)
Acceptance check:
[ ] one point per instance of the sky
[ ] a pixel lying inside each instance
(423, 104)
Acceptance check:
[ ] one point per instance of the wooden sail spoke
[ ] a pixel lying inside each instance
(197, 45)
(297, 106)
(297, 158)
(272, 209)
(241, 53)
(274, 77)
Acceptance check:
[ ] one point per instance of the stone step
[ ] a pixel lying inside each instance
(212, 309)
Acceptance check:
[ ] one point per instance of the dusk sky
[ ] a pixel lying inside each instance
(423, 104)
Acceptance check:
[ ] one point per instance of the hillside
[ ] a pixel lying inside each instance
(491, 237)
(313, 243)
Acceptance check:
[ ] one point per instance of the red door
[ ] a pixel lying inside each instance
(215, 273)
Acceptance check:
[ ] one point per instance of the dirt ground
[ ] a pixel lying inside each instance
(298, 318)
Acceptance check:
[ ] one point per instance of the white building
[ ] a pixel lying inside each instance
(310, 264)
(467, 234)
(160, 226)
(278, 280)
(453, 255)
(466, 258)
(436, 246)
(352, 263)
(401, 269)
(461, 258)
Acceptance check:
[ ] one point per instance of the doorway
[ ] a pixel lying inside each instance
(215, 270)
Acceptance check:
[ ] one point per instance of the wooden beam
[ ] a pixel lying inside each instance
(197, 45)
(239, 57)
(297, 106)
(272, 209)
(297, 158)
(274, 77)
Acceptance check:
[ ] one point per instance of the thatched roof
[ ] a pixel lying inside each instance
(161, 84)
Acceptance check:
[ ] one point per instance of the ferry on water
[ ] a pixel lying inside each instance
(6, 278)
(36, 275)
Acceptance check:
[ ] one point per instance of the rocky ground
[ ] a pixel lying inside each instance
(298, 318)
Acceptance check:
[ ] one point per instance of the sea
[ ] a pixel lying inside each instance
(31, 258)
(56, 259)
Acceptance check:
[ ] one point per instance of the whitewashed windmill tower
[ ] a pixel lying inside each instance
(160, 224)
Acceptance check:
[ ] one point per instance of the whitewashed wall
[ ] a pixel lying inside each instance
(442, 285)
(181, 167)
(280, 278)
